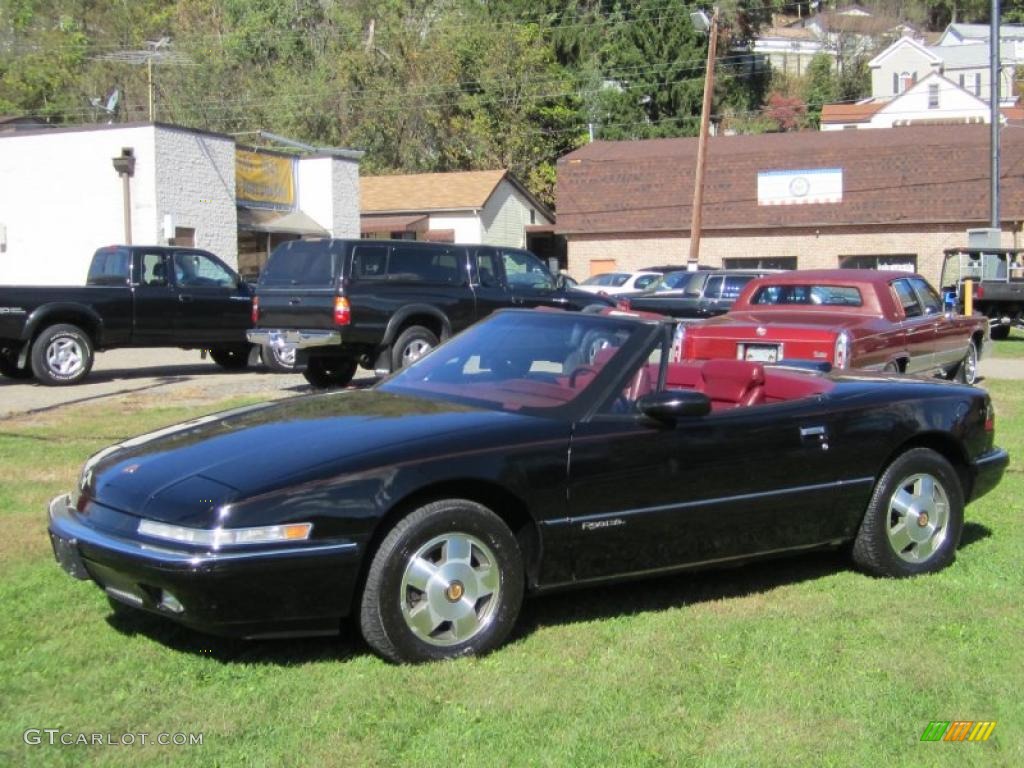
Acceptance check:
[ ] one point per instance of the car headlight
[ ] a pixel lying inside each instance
(225, 537)
(841, 356)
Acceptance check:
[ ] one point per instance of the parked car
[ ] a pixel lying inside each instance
(692, 294)
(613, 283)
(534, 451)
(997, 276)
(382, 304)
(134, 296)
(868, 319)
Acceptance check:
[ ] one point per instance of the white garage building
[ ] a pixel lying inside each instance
(61, 196)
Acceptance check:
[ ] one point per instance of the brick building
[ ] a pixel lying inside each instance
(885, 199)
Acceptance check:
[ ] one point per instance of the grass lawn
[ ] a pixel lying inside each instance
(1009, 347)
(790, 663)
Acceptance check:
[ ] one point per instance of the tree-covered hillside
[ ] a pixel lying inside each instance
(422, 85)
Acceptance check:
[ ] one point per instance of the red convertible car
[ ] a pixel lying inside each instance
(866, 319)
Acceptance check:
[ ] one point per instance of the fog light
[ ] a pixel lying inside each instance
(170, 602)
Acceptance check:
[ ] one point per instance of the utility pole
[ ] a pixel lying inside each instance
(994, 79)
(700, 20)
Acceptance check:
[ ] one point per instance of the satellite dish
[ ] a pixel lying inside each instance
(113, 99)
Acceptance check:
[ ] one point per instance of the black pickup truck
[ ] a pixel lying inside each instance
(698, 294)
(384, 303)
(135, 296)
(997, 278)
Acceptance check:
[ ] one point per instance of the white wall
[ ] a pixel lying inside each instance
(506, 216)
(60, 199)
(195, 185)
(954, 103)
(904, 58)
(466, 226)
(328, 192)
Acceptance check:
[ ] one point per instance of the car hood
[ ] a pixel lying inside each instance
(202, 464)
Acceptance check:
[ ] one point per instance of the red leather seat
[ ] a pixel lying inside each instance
(683, 376)
(732, 383)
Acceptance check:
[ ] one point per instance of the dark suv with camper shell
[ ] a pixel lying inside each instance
(382, 304)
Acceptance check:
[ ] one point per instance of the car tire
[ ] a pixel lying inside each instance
(411, 344)
(231, 358)
(914, 519)
(279, 360)
(999, 332)
(9, 365)
(447, 581)
(967, 370)
(326, 372)
(62, 354)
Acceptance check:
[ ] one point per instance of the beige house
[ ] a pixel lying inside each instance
(900, 66)
(856, 199)
(490, 207)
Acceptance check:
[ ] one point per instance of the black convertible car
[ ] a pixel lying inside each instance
(536, 450)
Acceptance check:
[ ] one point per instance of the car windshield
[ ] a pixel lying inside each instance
(821, 295)
(533, 362)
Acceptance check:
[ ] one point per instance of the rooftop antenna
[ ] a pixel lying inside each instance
(156, 51)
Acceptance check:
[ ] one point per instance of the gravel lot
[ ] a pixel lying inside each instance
(179, 376)
(174, 375)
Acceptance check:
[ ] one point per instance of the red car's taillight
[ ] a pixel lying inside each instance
(342, 311)
(255, 310)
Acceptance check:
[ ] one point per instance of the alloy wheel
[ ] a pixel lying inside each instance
(450, 589)
(918, 518)
(65, 356)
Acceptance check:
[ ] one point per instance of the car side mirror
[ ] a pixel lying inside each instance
(671, 405)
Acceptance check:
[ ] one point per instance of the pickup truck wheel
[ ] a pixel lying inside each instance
(967, 371)
(412, 344)
(324, 372)
(1000, 332)
(914, 519)
(9, 365)
(61, 354)
(447, 581)
(279, 359)
(231, 358)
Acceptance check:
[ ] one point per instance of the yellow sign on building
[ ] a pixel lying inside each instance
(264, 178)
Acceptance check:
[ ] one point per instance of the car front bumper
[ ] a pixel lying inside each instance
(271, 591)
(987, 470)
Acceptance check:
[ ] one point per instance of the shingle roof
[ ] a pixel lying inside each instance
(428, 191)
(927, 174)
(850, 113)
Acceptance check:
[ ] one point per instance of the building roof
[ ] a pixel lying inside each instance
(913, 175)
(850, 113)
(462, 190)
(972, 32)
(973, 56)
(905, 41)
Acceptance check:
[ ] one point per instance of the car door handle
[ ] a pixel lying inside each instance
(816, 434)
(184, 298)
(559, 300)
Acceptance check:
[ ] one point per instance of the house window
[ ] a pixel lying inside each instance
(933, 96)
(895, 84)
(962, 85)
(907, 80)
(779, 262)
(890, 262)
(533, 216)
(977, 84)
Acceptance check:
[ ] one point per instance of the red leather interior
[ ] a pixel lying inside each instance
(732, 383)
